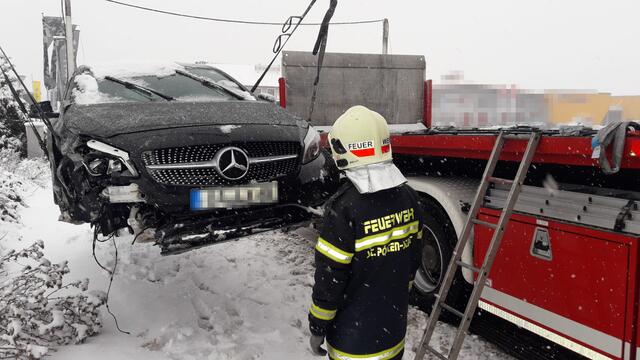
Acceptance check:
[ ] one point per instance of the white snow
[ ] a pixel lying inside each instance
(86, 90)
(233, 87)
(37, 351)
(134, 69)
(241, 300)
(195, 98)
(57, 321)
(228, 128)
(15, 328)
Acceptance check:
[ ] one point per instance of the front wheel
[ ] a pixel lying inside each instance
(438, 241)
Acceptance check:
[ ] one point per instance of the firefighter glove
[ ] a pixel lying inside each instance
(316, 341)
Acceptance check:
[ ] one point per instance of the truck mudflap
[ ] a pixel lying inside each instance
(186, 234)
(571, 284)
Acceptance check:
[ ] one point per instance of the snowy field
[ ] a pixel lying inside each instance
(246, 299)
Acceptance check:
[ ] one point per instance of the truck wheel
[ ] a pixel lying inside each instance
(439, 241)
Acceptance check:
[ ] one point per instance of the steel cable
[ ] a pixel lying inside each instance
(233, 21)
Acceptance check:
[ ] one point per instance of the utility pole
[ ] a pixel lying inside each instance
(68, 32)
(385, 36)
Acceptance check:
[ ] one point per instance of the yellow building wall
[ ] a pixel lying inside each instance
(630, 106)
(589, 108)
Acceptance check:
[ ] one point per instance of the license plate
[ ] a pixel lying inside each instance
(234, 196)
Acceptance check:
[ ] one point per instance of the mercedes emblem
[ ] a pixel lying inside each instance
(232, 163)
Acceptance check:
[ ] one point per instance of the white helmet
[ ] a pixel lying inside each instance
(360, 137)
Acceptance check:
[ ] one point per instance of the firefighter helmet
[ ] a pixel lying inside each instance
(360, 137)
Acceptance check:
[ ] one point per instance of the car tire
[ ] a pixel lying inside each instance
(439, 241)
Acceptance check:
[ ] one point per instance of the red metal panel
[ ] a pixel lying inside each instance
(591, 278)
(556, 150)
(428, 103)
(282, 85)
(633, 307)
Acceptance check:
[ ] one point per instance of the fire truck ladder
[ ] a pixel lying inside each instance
(456, 260)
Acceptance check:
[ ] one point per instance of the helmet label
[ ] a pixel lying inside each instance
(386, 145)
(362, 148)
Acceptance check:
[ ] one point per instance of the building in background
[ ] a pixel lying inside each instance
(460, 104)
(589, 108)
(470, 105)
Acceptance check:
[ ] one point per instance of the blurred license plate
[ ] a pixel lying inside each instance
(234, 196)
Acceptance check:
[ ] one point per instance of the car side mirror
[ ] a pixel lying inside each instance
(267, 97)
(46, 107)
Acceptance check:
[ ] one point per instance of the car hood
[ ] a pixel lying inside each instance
(108, 120)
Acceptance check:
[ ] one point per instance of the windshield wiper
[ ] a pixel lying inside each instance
(210, 84)
(139, 88)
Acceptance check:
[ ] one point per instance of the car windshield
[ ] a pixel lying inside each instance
(89, 90)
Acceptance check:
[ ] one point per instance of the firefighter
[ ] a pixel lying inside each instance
(369, 247)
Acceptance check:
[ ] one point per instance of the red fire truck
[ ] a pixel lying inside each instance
(566, 281)
(567, 268)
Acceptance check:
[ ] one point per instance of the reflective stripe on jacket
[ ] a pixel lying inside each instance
(368, 252)
(386, 354)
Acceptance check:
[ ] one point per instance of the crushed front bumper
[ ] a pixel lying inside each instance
(193, 231)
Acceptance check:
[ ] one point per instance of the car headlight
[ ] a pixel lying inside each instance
(117, 163)
(99, 166)
(311, 145)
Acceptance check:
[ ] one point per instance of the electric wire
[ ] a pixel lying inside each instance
(140, 233)
(234, 21)
(110, 271)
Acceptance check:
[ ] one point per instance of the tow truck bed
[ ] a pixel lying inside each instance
(555, 147)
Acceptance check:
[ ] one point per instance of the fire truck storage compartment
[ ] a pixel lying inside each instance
(575, 284)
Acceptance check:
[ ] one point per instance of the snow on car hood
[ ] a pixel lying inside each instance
(107, 120)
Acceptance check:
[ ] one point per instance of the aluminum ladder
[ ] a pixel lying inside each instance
(456, 260)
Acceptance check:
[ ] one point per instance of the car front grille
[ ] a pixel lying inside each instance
(209, 176)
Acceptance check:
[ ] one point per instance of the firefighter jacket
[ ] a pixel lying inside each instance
(366, 257)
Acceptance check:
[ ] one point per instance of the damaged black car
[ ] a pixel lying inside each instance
(183, 155)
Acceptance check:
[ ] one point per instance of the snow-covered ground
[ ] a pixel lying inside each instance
(246, 299)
